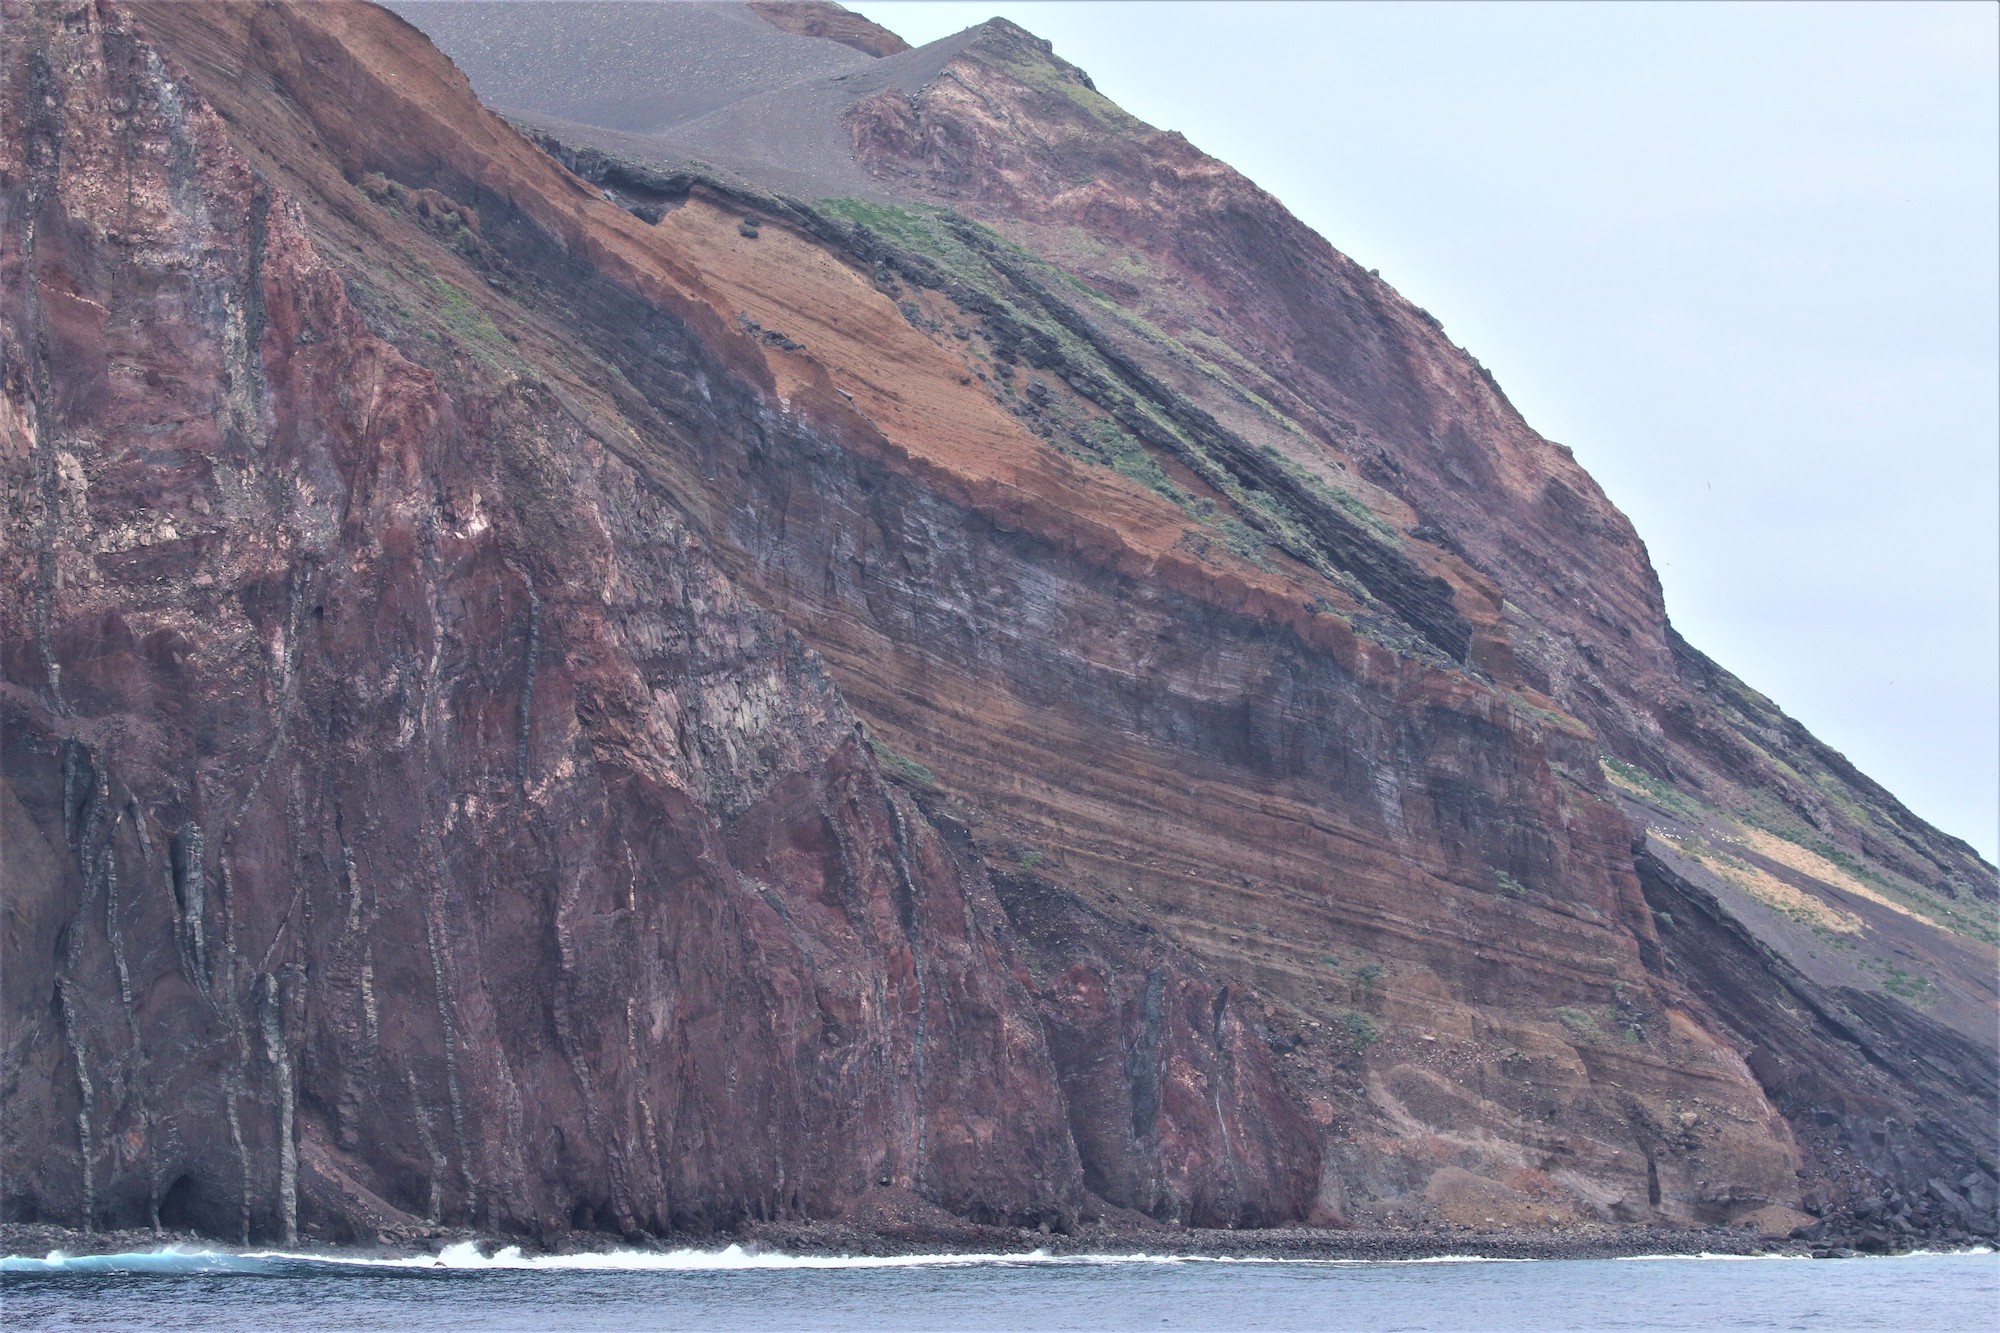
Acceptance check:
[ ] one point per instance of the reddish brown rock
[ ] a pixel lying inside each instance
(822, 18)
(1171, 1097)
(461, 618)
(422, 829)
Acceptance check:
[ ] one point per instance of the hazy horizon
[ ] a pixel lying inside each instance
(1742, 258)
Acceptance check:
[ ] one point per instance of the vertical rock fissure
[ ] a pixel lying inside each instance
(270, 1021)
(573, 1055)
(242, 345)
(234, 1077)
(370, 1013)
(643, 1122)
(190, 880)
(1224, 1070)
(352, 880)
(362, 925)
(527, 714)
(43, 132)
(232, 1092)
(433, 928)
(514, 1158)
(140, 1063)
(285, 921)
(432, 903)
(284, 688)
(900, 847)
(78, 773)
(427, 1136)
(1142, 1065)
(352, 950)
(114, 934)
(67, 1002)
(236, 1082)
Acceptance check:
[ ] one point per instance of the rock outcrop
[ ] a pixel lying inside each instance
(551, 688)
(422, 828)
(822, 18)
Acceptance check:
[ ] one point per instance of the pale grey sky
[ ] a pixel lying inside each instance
(1744, 259)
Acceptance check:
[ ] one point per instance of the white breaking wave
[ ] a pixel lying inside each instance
(1719, 1258)
(1759, 1258)
(466, 1256)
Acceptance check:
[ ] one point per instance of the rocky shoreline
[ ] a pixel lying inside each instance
(849, 1240)
(504, 745)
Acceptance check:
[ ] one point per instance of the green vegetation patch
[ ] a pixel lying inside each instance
(977, 267)
(1905, 985)
(902, 768)
(1042, 71)
(1641, 783)
(1602, 1023)
(1109, 444)
(463, 317)
(1580, 1022)
(935, 232)
(1546, 716)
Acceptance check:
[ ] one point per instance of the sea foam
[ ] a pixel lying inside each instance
(468, 1257)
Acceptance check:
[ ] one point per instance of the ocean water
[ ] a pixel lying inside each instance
(463, 1288)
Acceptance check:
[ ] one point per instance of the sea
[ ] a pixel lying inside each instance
(467, 1288)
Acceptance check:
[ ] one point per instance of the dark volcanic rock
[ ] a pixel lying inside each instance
(1172, 1097)
(529, 707)
(1877, 1092)
(420, 828)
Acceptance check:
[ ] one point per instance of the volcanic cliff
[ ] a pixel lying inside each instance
(807, 626)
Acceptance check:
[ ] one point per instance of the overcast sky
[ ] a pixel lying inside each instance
(1744, 259)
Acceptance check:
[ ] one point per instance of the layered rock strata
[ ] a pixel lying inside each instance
(644, 704)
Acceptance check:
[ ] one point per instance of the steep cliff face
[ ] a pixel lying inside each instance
(1275, 325)
(422, 828)
(646, 704)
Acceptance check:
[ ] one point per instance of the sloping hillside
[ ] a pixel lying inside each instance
(952, 652)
